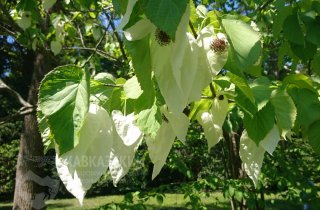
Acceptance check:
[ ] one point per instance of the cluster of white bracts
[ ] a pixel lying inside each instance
(183, 68)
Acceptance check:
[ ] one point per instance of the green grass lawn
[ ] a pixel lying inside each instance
(171, 201)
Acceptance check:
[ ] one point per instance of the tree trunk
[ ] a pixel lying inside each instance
(235, 167)
(29, 182)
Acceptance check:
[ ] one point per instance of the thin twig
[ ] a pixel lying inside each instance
(118, 38)
(207, 97)
(12, 33)
(22, 112)
(5, 88)
(212, 91)
(100, 52)
(95, 49)
(193, 30)
(112, 85)
(81, 37)
(9, 18)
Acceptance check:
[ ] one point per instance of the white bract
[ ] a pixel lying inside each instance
(127, 138)
(103, 143)
(25, 21)
(252, 155)
(56, 47)
(179, 123)
(213, 120)
(175, 125)
(214, 59)
(82, 166)
(160, 147)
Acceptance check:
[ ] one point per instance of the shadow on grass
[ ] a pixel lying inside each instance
(6, 207)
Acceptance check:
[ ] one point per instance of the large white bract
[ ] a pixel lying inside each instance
(126, 140)
(252, 155)
(82, 166)
(103, 143)
(212, 121)
(175, 125)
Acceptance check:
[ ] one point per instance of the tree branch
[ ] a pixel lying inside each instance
(9, 18)
(5, 88)
(12, 33)
(22, 112)
(118, 38)
(80, 35)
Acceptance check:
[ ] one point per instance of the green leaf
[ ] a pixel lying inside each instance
(132, 88)
(313, 32)
(315, 64)
(149, 120)
(279, 18)
(285, 110)
(166, 14)
(299, 80)
(292, 29)
(120, 6)
(260, 124)
(199, 107)
(244, 95)
(141, 61)
(64, 100)
(245, 46)
(261, 91)
(44, 130)
(100, 93)
(308, 106)
(242, 85)
(27, 5)
(314, 136)
(47, 4)
(115, 102)
(305, 52)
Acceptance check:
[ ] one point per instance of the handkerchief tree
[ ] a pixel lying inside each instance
(186, 63)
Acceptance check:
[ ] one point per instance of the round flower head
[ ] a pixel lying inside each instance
(219, 44)
(162, 38)
(215, 47)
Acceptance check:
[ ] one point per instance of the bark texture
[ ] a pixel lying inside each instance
(29, 192)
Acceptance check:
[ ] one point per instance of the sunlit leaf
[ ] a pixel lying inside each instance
(64, 100)
(285, 110)
(245, 45)
(132, 88)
